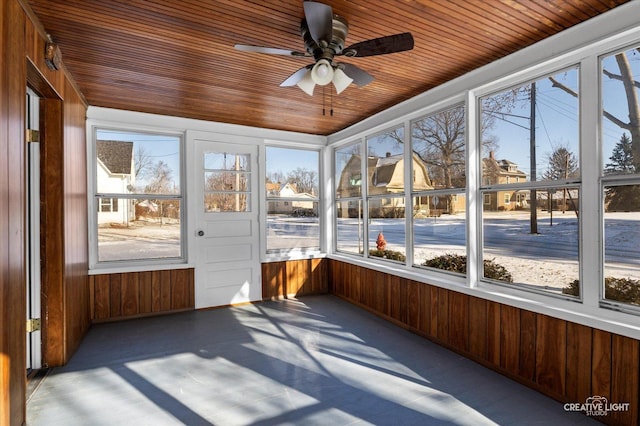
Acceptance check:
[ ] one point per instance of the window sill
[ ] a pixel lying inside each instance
(124, 268)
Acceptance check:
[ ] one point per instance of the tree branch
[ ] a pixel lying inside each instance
(615, 120)
(619, 77)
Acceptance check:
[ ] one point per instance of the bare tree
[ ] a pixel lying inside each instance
(143, 162)
(624, 75)
(160, 182)
(276, 177)
(304, 179)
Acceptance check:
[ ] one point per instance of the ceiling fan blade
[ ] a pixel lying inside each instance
(359, 76)
(294, 78)
(381, 46)
(319, 18)
(268, 50)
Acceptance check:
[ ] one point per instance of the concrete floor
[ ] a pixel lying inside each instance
(318, 360)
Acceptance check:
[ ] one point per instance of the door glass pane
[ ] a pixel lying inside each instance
(227, 182)
(226, 161)
(216, 202)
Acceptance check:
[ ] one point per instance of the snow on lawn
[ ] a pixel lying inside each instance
(547, 259)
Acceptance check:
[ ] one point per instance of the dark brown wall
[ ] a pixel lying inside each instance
(64, 221)
(564, 360)
(12, 189)
(294, 278)
(135, 294)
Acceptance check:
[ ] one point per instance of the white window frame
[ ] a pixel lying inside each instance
(293, 253)
(579, 46)
(96, 266)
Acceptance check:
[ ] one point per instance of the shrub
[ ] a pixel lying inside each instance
(623, 290)
(388, 254)
(458, 263)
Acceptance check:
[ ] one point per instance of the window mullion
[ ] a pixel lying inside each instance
(590, 241)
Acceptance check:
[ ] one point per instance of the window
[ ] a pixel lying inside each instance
(620, 177)
(530, 228)
(385, 195)
(293, 220)
(138, 197)
(348, 199)
(438, 148)
(108, 205)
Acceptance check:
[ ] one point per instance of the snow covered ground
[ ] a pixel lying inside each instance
(548, 259)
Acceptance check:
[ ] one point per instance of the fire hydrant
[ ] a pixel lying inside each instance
(380, 242)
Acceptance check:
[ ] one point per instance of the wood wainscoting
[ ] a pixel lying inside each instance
(566, 361)
(121, 296)
(292, 278)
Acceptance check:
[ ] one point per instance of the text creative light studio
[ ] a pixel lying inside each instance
(596, 406)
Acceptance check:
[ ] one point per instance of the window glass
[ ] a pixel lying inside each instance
(348, 200)
(621, 113)
(621, 247)
(138, 196)
(537, 251)
(621, 176)
(439, 161)
(529, 134)
(512, 151)
(292, 187)
(385, 192)
(349, 226)
(439, 147)
(385, 162)
(387, 228)
(348, 172)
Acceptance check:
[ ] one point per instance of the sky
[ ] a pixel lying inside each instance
(159, 147)
(557, 117)
(285, 160)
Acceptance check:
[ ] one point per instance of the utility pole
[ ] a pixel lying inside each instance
(532, 161)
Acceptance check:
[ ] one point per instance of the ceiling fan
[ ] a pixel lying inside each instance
(324, 34)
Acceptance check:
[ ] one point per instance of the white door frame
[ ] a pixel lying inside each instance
(33, 282)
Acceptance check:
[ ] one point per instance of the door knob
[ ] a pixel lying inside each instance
(200, 233)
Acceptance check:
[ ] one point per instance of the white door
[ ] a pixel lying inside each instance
(227, 244)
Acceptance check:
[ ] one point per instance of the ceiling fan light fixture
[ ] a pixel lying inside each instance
(307, 84)
(341, 80)
(322, 72)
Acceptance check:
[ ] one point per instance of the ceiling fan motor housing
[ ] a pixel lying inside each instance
(322, 50)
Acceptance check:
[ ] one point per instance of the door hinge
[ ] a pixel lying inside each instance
(33, 324)
(33, 135)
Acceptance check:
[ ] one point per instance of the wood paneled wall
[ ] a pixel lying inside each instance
(566, 361)
(135, 294)
(293, 278)
(12, 222)
(64, 218)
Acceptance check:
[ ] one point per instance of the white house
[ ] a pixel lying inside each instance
(115, 175)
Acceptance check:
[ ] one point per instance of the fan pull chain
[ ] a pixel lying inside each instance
(331, 100)
(323, 98)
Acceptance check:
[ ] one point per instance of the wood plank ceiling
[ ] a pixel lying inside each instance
(177, 57)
